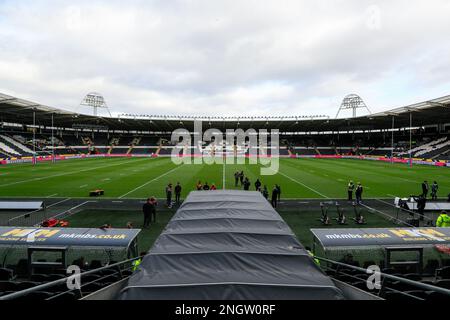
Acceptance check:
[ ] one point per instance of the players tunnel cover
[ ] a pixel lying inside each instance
(83, 237)
(228, 245)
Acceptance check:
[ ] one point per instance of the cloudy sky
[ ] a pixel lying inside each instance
(230, 57)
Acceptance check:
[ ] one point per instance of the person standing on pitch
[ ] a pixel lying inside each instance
(241, 178)
(258, 185)
(278, 193)
(274, 196)
(178, 193)
(169, 195)
(434, 190)
(350, 189)
(236, 178)
(265, 193)
(247, 184)
(358, 193)
(425, 189)
(149, 210)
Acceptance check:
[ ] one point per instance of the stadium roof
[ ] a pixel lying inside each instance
(432, 112)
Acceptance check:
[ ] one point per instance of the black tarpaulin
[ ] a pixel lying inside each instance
(228, 245)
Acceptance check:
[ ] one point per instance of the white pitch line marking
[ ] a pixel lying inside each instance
(55, 194)
(67, 173)
(155, 179)
(84, 185)
(313, 190)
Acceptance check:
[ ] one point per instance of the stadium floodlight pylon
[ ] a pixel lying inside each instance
(353, 102)
(95, 100)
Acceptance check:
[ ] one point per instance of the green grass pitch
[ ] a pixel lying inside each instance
(143, 177)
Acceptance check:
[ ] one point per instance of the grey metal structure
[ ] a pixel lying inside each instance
(353, 102)
(96, 101)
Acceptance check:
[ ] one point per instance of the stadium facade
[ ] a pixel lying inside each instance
(418, 132)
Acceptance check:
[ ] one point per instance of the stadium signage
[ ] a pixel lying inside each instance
(330, 238)
(67, 236)
(215, 147)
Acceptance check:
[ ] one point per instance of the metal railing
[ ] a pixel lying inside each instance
(384, 287)
(48, 285)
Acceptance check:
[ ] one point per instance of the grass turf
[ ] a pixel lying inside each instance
(142, 177)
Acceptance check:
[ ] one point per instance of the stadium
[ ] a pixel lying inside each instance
(73, 187)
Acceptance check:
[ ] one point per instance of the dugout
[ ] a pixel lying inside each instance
(228, 245)
(50, 250)
(401, 250)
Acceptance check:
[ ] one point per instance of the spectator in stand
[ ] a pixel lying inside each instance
(265, 192)
(129, 225)
(206, 187)
(425, 189)
(434, 190)
(350, 189)
(213, 187)
(106, 226)
(358, 193)
(178, 193)
(274, 196)
(199, 186)
(258, 185)
(169, 195)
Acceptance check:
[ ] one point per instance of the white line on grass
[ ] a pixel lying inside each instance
(84, 185)
(67, 173)
(55, 194)
(313, 190)
(148, 182)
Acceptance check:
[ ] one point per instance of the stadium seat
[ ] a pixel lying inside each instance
(92, 287)
(95, 264)
(36, 296)
(26, 285)
(8, 286)
(419, 294)
(22, 268)
(40, 278)
(443, 284)
(6, 274)
(65, 296)
(431, 266)
(443, 273)
(55, 276)
(436, 296)
(367, 264)
(413, 276)
(398, 296)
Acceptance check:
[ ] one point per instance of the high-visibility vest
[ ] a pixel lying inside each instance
(443, 221)
(136, 264)
(315, 259)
